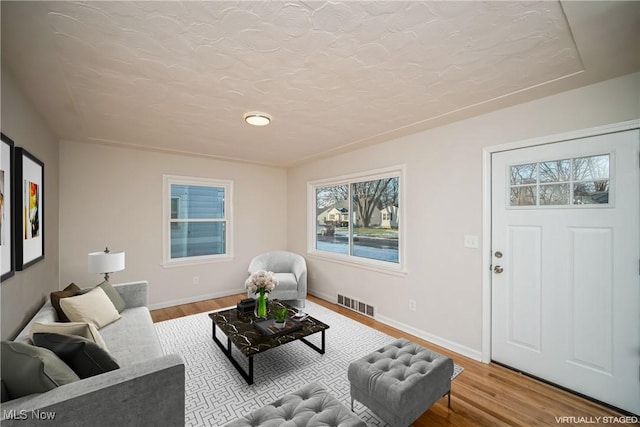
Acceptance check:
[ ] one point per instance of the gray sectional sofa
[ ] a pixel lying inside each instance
(147, 389)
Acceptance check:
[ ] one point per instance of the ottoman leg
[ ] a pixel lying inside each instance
(449, 399)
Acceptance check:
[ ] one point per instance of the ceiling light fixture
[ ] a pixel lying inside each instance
(257, 119)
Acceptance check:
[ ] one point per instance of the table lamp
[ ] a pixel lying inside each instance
(106, 262)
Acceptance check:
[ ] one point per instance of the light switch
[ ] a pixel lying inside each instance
(471, 242)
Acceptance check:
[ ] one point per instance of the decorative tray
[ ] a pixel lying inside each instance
(268, 327)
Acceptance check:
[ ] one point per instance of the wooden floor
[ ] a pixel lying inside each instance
(483, 395)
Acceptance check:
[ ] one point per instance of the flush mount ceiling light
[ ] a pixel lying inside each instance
(257, 118)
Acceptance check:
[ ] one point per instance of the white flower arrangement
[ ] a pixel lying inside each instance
(261, 281)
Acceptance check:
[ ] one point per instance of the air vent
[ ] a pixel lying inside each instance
(355, 305)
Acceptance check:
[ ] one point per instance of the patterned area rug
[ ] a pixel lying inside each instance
(216, 393)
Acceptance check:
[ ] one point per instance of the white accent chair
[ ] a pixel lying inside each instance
(291, 271)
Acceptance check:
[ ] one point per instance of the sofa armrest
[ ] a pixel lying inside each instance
(148, 393)
(134, 294)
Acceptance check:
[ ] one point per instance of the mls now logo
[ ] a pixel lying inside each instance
(22, 414)
(14, 414)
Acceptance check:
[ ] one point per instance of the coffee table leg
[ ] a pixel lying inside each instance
(315, 347)
(248, 376)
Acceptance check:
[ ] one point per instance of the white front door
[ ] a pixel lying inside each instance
(565, 289)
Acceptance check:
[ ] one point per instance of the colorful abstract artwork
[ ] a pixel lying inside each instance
(31, 210)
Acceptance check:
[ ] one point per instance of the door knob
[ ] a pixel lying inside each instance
(498, 269)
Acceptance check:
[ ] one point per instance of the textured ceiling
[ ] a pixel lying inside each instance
(179, 76)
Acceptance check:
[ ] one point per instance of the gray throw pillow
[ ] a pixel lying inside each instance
(85, 357)
(27, 369)
(111, 292)
(5, 393)
(113, 295)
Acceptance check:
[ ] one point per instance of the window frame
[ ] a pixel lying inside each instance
(167, 201)
(387, 267)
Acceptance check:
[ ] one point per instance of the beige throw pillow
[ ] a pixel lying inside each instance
(94, 307)
(80, 329)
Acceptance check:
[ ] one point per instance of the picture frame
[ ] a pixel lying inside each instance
(28, 191)
(7, 246)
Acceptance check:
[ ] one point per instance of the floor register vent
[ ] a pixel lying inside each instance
(355, 305)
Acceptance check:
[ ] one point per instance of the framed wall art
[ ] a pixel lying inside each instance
(7, 248)
(29, 208)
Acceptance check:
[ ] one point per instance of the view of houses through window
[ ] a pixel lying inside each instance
(359, 218)
(198, 219)
(565, 182)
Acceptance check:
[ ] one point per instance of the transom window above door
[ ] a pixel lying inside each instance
(570, 182)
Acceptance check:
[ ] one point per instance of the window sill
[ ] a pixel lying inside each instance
(371, 266)
(195, 261)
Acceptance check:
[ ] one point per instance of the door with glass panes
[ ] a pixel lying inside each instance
(565, 259)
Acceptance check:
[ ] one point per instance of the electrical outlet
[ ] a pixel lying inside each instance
(412, 305)
(196, 280)
(471, 242)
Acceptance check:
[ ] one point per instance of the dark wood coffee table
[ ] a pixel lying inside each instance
(240, 331)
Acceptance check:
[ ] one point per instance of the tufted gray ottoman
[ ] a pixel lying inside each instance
(310, 406)
(400, 381)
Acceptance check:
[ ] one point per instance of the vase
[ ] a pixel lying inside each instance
(279, 325)
(262, 304)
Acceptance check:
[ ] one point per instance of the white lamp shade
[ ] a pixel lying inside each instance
(106, 262)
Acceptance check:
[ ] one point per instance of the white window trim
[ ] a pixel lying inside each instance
(167, 181)
(398, 269)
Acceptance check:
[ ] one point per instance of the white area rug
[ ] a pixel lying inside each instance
(216, 393)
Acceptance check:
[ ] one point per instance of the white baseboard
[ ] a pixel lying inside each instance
(323, 296)
(442, 342)
(196, 298)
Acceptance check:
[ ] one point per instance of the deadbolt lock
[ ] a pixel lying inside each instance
(498, 254)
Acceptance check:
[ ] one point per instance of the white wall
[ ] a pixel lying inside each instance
(113, 196)
(444, 203)
(25, 292)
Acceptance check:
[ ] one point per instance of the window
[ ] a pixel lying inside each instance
(197, 220)
(358, 218)
(565, 182)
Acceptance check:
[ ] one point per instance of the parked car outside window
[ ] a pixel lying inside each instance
(325, 229)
